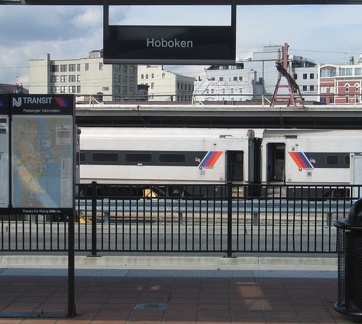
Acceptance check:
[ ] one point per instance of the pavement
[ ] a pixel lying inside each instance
(169, 289)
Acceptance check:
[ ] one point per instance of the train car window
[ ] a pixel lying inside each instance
(105, 157)
(138, 157)
(81, 157)
(347, 160)
(171, 158)
(332, 159)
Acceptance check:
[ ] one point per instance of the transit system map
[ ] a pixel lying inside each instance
(42, 150)
(37, 154)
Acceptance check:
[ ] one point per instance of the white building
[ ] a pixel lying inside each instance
(83, 77)
(165, 85)
(256, 77)
(225, 83)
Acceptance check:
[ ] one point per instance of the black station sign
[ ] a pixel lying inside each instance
(169, 44)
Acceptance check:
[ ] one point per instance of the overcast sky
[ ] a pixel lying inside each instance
(324, 33)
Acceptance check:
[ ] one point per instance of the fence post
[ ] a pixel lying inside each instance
(94, 218)
(230, 218)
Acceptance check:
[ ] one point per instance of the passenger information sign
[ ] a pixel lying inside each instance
(4, 154)
(42, 154)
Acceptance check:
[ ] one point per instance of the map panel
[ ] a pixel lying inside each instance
(42, 163)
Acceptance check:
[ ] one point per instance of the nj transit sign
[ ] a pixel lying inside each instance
(42, 154)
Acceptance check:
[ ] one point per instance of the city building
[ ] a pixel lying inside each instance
(83, 77)
(341, 84)
(225, 83)
(256, 77)
(165, 85)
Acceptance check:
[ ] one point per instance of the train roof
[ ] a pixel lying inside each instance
(138, 132)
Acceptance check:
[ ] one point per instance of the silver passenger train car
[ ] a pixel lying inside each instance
(175, 156)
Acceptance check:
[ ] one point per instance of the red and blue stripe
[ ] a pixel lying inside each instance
(61, 102)
(210, 159)
(301, 160)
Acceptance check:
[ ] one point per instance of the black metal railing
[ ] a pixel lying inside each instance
(193, 218)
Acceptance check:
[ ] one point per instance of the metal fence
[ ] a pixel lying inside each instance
(229, 219)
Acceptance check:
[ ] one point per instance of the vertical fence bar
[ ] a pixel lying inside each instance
(230, 218)
(94, 218)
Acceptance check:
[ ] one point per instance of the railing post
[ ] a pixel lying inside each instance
(94, 218)
(230, 218)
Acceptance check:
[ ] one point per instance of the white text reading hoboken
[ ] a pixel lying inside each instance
(151, 42)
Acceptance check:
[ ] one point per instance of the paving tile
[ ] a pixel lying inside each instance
(108, 300)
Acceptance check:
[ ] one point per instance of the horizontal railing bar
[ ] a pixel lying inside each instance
(177, 205)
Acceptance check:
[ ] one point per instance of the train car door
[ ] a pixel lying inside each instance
(234, 165)
(275, 162)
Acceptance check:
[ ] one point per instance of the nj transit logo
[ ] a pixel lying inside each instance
(301, 160)
(210, 159)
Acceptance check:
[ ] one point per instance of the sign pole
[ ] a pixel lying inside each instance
(71, 268)
(233, 26)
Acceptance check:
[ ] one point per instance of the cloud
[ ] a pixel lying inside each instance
(325, 33)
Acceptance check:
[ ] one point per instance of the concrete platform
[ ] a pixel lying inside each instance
(164, 290)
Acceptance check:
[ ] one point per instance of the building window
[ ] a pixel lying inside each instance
(132, 70)
(72, 67)
(63, 78)
(78, 67)
(347, 87)
(295, 76)
(105, 89)
(328, 73)
(86, 66)
(305, 76)
(100, 66)
(78, 89)
(345, 71)
(78, 78)
(72, 89)
(63, 68)
(141, 76)
(235, 78)
(311, 76)
(311, 88)
(54, 68)
(347, 99)
(72, 78)
(304, 88)
(221, 79)
(357, 87)
(54, 78)
(163, 75)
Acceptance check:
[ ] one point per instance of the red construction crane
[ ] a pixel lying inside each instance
(291, 99)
